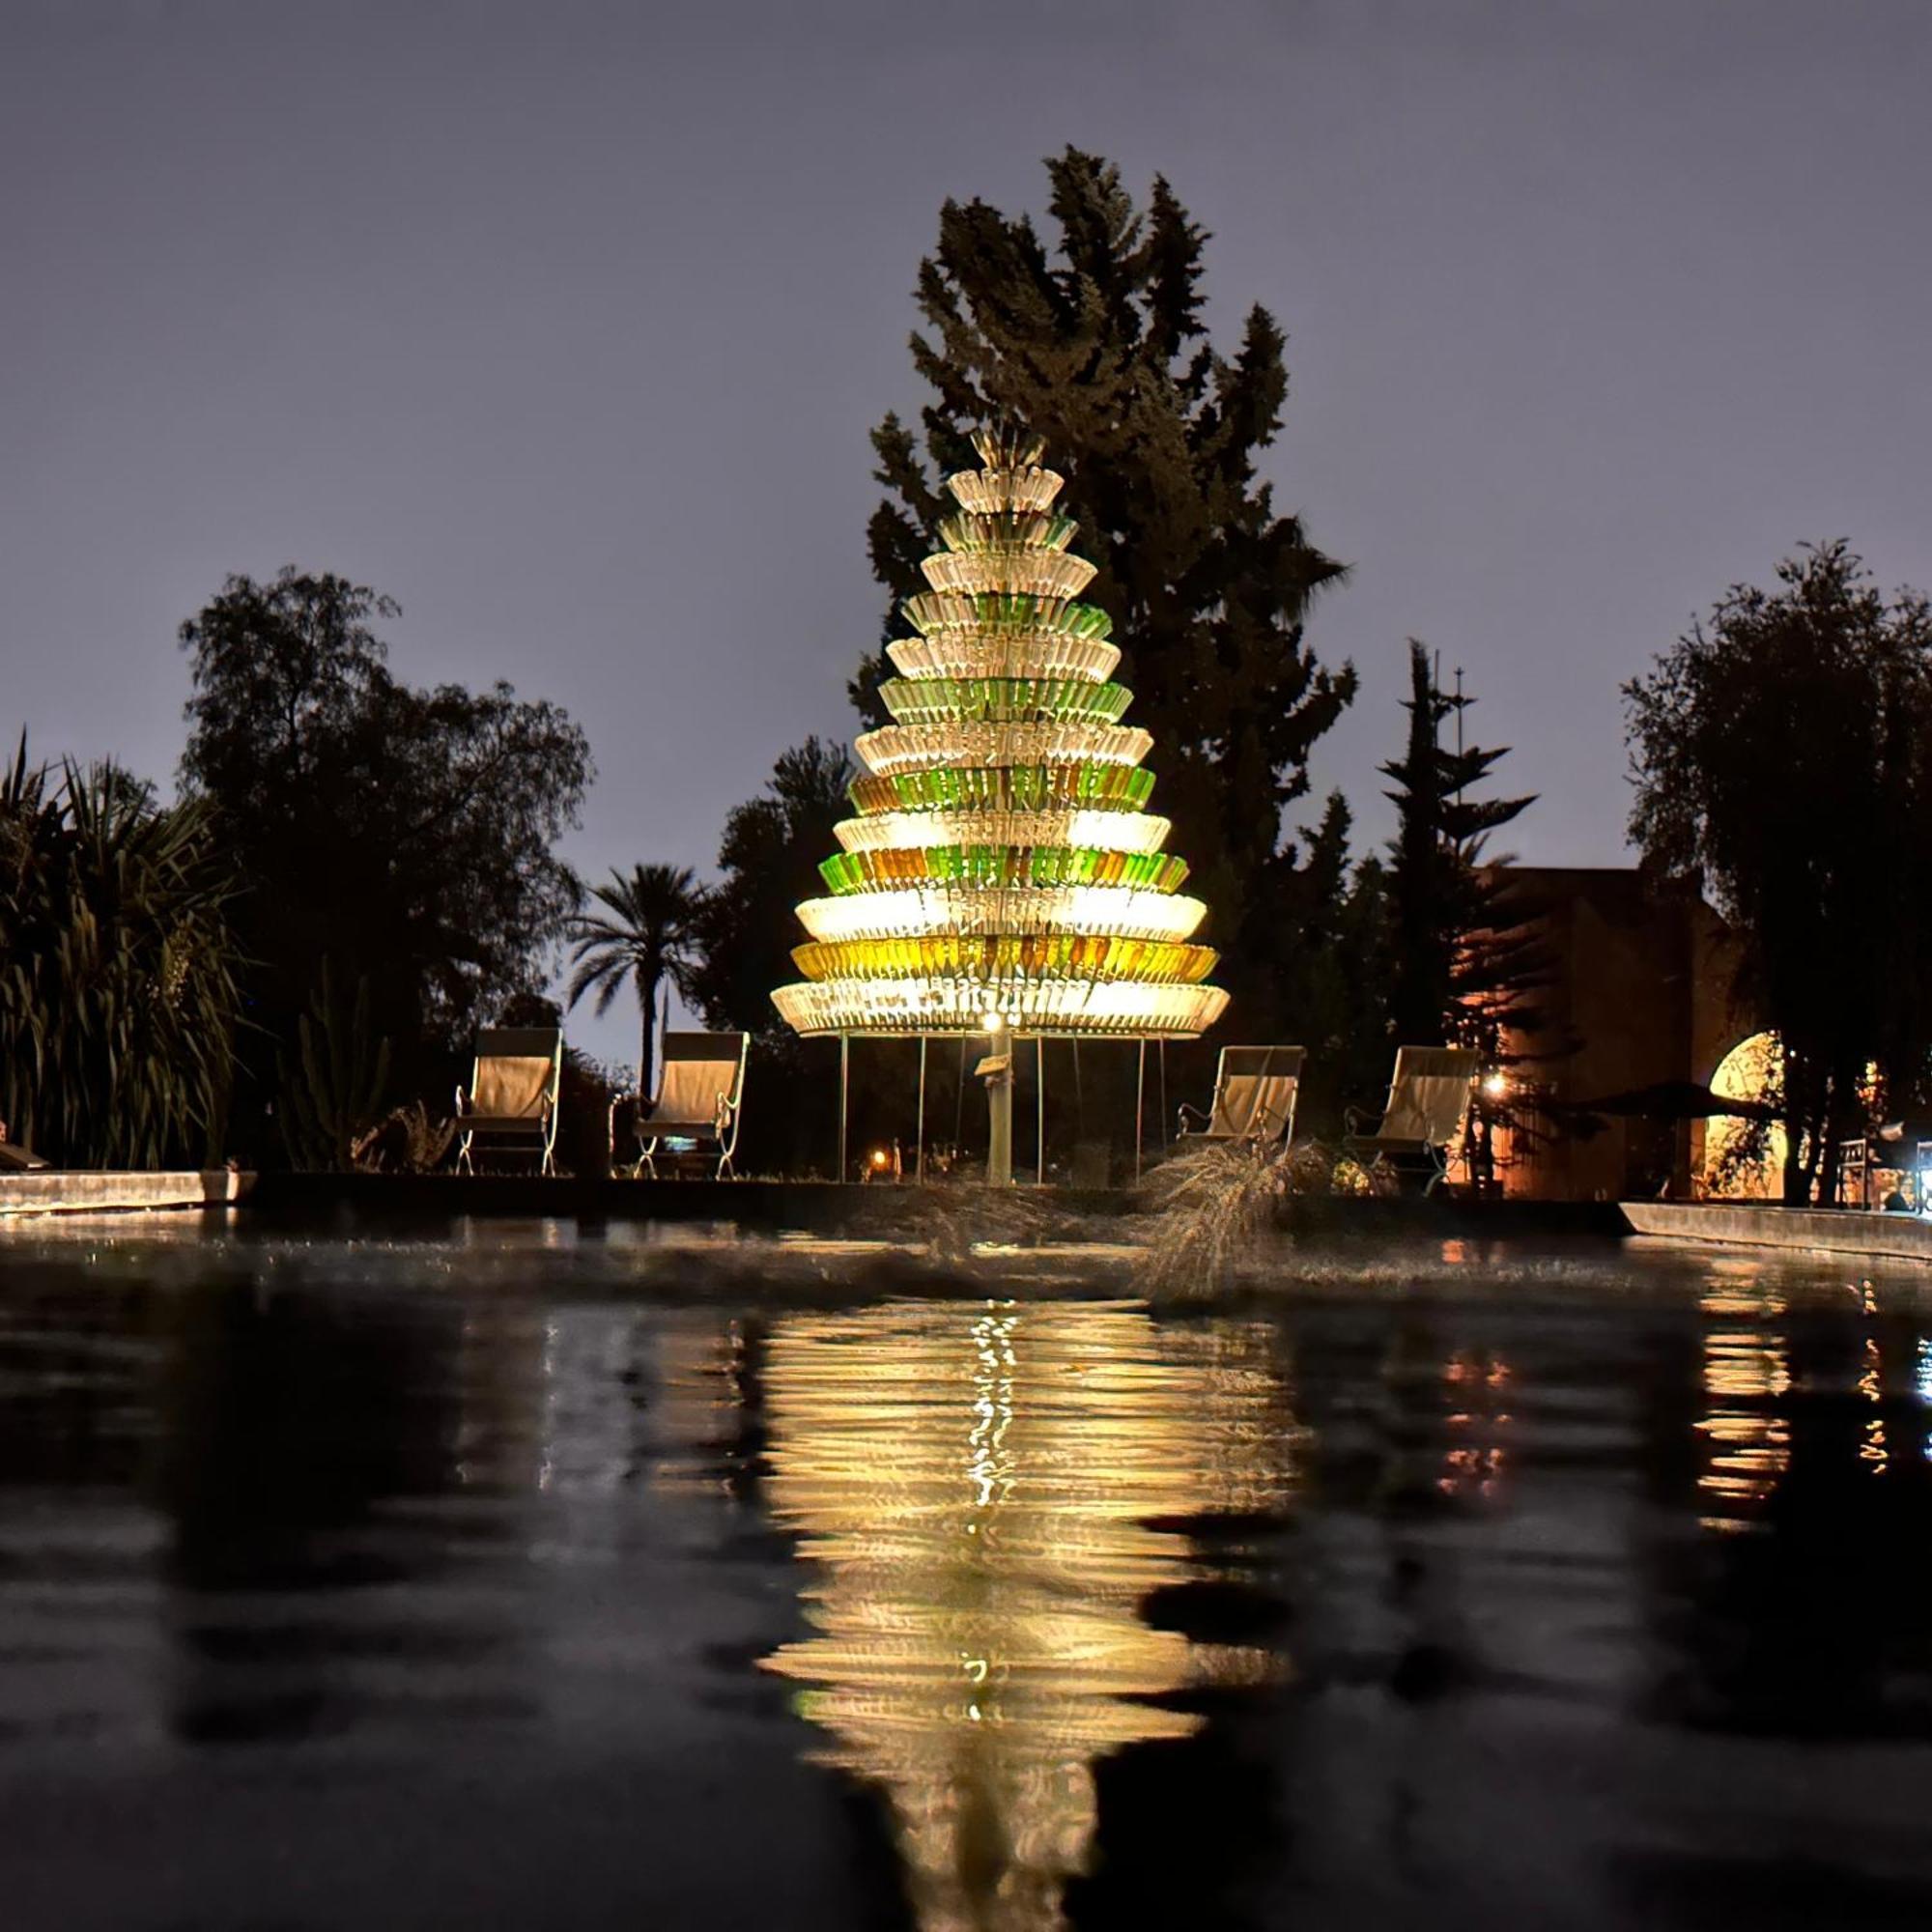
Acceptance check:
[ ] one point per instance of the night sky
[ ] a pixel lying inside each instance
(564, 326)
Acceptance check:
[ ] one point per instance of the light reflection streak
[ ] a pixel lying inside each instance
(977, 1482)
(1477, 1384)
(1746, 1375)
(1922, 1382)
(1871, 1385)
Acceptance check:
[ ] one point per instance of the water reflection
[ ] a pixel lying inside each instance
(978, 1482)
(1746, 1375)
(294, 1427)
(1810, 1622)
(1476, 1383)
(446, 1590)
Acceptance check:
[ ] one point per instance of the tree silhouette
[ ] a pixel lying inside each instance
(1464, 956)
(1779, 750)
(769, 858)
(409, 833)
(1097, 344)
(646, 934)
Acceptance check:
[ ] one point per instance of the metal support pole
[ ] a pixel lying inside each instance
(919, 1159)
(844, 1093)
(1140, 1110)
(1000, 1122)
(1161, 1049)
(1039, 1098)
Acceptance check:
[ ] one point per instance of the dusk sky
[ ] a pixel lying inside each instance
(564, 326)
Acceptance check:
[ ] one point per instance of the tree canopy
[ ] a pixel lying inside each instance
(1098, 343)
(769, 862)
(405, 834)
(746, 927)
(1781, 752)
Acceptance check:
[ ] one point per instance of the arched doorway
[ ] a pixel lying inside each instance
(1744, 1160)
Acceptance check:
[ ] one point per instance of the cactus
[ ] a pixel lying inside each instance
(336, 1091)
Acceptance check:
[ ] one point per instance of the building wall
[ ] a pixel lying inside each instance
(1638, 996)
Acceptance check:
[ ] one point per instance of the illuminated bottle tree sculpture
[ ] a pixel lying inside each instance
(1000, 870)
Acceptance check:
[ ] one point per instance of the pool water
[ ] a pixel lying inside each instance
(530, 1578)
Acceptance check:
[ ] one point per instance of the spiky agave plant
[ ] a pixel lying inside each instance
(334, 1086)
(119, 972)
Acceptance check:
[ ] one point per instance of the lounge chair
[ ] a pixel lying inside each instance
(1255, 1087)
(1428, 1100)
(511, 1099)
(17, 1159)
(700, 1088)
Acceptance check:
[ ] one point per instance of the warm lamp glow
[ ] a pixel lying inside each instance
(1000, 870)
(1002, 700)
(1120, 912)
(905, 832)
(922, 748)
(931, 1005)
(1058, 956)
(961, 868)
(1032, 571)
(1006, 789)
(957, 654)
(1495, 1085)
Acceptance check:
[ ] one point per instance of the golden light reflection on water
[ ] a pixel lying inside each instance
(1476, 1383)
(1746, 1374)
(977, 1480)
(1872, 1451)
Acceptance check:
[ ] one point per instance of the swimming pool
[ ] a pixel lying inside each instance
(530, 1577)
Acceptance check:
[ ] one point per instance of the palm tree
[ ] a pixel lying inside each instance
(646, 934)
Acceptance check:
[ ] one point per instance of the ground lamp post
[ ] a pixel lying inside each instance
(1001, 875)
(997, 1072)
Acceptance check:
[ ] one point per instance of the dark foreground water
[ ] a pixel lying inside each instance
(530, 1580)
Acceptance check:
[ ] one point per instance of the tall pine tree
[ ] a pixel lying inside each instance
(1464, 958)
(1098, 343)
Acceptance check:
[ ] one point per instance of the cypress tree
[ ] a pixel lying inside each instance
(1423, 885)
(1464, 954)
(1097, 344)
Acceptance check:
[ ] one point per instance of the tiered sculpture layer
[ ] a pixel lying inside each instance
(1002, 869)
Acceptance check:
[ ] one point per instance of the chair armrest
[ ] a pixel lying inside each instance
(462, 1101)
(1185, 1111)
(1352, 1118)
